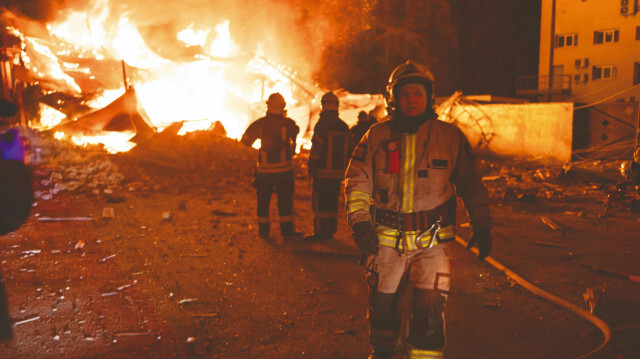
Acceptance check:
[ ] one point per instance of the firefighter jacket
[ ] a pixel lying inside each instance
(405, 183)
(277, 136)
(330, 147)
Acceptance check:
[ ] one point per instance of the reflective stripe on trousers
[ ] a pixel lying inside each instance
(424, 354)
(324, 201)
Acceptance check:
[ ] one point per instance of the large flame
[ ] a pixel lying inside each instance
(220, 82)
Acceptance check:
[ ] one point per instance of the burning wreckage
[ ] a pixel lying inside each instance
(122, 99)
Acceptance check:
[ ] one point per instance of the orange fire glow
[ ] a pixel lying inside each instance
(221, 82)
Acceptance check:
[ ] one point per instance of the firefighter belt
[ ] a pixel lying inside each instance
(431, 227)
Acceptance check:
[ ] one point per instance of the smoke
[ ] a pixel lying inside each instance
(42, 10)
(294, 33)
(289, 32)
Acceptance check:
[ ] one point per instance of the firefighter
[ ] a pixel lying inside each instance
(632, 170)
(274, 170)
(330, 149)
(400, 189)
(361, 127)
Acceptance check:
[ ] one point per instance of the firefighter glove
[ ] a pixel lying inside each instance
(365, 237)
(482, 239)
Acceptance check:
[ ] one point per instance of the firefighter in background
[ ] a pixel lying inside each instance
(630, 170)
(330, 149)
(277, 134)
(400, 190)
(361, 127)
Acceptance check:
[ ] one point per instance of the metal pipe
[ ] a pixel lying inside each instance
(124, 75)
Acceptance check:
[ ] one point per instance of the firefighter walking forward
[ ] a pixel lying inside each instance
(400, 189)
(330, 149)
(274, 170)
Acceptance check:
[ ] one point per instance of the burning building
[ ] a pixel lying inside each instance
(101, 73)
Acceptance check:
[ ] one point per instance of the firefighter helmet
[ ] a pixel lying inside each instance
(330, 101)
(363, 117)
(409, 72)
(276, 103)
(625, 169)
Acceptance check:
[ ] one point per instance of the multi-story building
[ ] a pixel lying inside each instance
(589, 52)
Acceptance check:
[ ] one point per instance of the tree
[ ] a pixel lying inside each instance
(397, 30)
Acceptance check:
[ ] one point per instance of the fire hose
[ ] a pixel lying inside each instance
(550, 297)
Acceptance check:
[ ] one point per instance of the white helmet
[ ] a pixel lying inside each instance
(625, 169)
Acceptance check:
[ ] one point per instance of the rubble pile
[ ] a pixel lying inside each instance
(64, 166)
(172, 162)
(530, 182)
(208, 160)
(167, 162)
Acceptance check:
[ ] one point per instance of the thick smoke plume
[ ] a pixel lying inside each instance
(42, 10)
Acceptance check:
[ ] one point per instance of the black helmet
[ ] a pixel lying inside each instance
(409, 72)
(330, 101)
(276, 103)
(362, 116)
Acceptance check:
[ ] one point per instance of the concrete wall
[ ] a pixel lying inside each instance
(533, 131)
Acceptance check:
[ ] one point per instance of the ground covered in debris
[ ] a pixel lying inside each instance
(154, 253)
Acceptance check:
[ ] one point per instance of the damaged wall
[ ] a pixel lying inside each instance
(539, 131)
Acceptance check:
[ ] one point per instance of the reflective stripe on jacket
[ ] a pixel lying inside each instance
(330, 147)
(411, 173)
(277, 136)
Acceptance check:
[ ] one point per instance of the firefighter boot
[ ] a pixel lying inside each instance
(263, 229)
(288, 233)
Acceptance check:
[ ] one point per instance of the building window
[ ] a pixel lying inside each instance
(637, 32)
(576, 78)
(585, 78)
(636, 73)
(567, 40)
(604, 72)
(601, 37)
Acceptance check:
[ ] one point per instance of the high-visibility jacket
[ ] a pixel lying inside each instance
(277, 136)
(331, 146)
(412, 174)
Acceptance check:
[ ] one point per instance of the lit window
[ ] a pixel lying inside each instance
(604, 72)
(601, 37)
(567, 40)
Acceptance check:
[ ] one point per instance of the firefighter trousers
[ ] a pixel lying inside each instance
(407, 295)
(325, 201)
(5, 320)
(282, 184)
